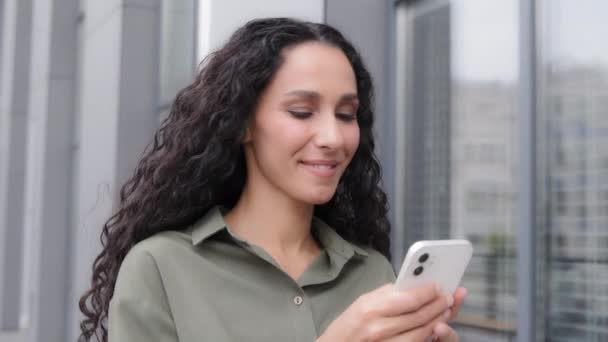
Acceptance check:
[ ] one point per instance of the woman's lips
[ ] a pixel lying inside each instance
(321, 168)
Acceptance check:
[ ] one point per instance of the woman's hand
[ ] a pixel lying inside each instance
(389, 314)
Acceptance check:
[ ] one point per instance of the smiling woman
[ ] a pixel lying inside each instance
(303, 133)
(257, 214)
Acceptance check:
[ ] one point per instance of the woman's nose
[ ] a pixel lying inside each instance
(328, 133)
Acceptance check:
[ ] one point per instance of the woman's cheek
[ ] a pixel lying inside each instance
(353, 139)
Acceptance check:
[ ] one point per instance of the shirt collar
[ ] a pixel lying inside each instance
(213, 222)
(332, 241)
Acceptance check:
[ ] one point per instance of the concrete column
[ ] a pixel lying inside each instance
(46, 276)
(14, 91)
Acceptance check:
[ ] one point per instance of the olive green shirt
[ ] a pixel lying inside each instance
(206, 284)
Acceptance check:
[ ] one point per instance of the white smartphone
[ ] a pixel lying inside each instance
(440, 261)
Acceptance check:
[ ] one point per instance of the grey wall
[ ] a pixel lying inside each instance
(49, 164)
(38, 59)
(14, 90)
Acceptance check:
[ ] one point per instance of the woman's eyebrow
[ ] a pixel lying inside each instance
(313, 95)
(351, 97)
(307, 94)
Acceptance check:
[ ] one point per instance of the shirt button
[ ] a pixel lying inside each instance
(297, 300)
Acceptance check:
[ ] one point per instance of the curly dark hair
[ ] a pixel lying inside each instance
(196, 160)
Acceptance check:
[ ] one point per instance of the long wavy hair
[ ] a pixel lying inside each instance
(196, 160)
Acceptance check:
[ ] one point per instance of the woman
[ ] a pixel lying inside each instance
(257, 213)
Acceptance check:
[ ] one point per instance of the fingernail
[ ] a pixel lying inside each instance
(438, 288)
(447, 314)
(450, 300)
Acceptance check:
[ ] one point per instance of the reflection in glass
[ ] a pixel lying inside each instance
(573, 186)
(458, 64)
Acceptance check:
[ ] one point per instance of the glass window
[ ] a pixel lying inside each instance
(457, 91)
(573, 122)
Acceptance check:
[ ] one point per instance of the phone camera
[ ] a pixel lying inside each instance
(424, 257)
(418, 270)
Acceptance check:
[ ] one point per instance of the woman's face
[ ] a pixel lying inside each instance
(304, 131)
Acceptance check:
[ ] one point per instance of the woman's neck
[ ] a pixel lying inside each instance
(273, 221)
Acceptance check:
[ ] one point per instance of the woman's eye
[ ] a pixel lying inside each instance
(300, 114)
(346, 116)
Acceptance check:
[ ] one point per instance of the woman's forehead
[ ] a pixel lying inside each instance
(314, 67)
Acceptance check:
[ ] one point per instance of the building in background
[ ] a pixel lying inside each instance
(576, 169)
(525, 164)
(492, 125)
(484, 197)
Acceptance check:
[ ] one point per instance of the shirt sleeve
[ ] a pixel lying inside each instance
(389, 272)
(139, 310)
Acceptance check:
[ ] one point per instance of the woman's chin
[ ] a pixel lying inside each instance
(320, 201)
(321, 196)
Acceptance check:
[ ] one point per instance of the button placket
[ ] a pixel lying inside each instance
(303, 318)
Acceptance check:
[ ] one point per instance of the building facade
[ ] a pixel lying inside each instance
(492, 125)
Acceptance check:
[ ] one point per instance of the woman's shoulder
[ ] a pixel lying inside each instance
(162, 243)
(139, 274)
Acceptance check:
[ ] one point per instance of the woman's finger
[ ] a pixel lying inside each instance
(390, 326)
(422, 333)
(444, 333)
(459, 296)
(399, 302)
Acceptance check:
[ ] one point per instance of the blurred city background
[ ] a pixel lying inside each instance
(492, 126)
